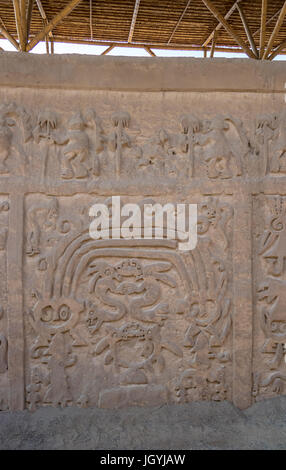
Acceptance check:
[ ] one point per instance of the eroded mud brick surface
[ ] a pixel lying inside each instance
(115, 323)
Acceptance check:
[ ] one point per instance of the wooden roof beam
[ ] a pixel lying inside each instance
(8, 36)
(52, 24)
(228, 28)
(41, 10)
(23, 22)
(17, 12)
(149, 51)
(133, 21)
(219, 26)
(268, 22)
(277, 51)
(179, 22)
(275, 31)
(213, 44)
(108, 50)
(29, 17)
(263, 28)
(46, 21)
(247, 30)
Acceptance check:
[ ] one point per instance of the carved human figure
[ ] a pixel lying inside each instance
(10, 115)
(147, 344)
(5, 143)
(76, 149)
(58, 357)
(45, 131)
(265, 129)
(278, 147)
(191, 126)
(219, 153)
(119, 139)
(34, 389)
(40, 215)
(94, 122)
(153, 153)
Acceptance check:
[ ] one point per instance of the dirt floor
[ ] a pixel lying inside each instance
(200, 425)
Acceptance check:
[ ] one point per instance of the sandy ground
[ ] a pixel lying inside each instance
(200, 425)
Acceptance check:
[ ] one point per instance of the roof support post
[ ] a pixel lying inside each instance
(263, 28)
(228, 28)
(219, 26)
(275, 31)
(133, 21)
(17, 12)
(53, 23)
(8, 36)
(247, 30)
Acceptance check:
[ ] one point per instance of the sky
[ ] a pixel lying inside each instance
(63, 48)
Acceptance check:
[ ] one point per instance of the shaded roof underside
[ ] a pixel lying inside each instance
(109, 21)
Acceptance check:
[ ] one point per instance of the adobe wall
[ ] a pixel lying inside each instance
(113, 323)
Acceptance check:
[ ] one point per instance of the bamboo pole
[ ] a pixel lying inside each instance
(107, 50)
(8, 36)
(23, 21)
(29, 17)
(133, 21)
(179, 22)
(46, 21)
(276, 51)
(247, 30)
(219, 26)
(53, 23)
(149, 51)
(174, 47)
(275, 31)
(52, 44)
(263, 28)
(213, 44)
(268, 22)
(90, 19)
(228, 28)
(17, 12)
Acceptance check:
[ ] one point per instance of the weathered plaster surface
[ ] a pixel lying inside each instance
(121, 323)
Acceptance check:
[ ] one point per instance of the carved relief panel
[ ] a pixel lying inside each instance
(113, 323)
(269, 366)
(81, 145)
(4, 227)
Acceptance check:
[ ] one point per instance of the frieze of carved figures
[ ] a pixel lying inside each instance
(82, 145)
(271, 303)
(125, 322)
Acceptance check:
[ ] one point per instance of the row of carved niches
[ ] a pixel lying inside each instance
(113, 323)
(82, 145)
(269, 377)
(4, 225)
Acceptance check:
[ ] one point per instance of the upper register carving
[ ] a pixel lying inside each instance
(82, 146)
